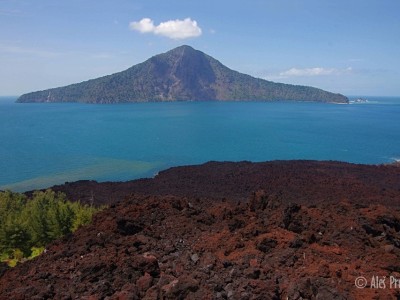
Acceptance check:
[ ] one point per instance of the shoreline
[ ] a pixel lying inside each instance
(326, 180)
(155, 172)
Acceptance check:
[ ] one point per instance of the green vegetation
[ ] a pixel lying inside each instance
(28, 225)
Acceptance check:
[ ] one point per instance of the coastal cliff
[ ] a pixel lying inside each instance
(181, 74)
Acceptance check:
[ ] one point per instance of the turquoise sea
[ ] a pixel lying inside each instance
(46, 144)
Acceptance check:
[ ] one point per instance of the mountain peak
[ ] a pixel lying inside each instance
(182, 73)
(180, 51)
(183, 48)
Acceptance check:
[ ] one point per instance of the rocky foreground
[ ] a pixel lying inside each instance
(276, 230)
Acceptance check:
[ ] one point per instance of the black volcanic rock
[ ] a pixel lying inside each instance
(303, 182)
(178, 75)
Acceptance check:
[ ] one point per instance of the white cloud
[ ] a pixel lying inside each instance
(173, 29)
(102, 56)
(20, 51)
(313, 72)
(10, 12)
(309, 72)
(355, 59)
(29, 51)
(145, 25)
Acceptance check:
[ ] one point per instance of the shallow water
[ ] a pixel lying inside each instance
(46, 144)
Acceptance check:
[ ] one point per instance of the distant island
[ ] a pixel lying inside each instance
(181, 74)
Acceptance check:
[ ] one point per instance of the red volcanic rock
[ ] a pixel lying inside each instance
(278, 233)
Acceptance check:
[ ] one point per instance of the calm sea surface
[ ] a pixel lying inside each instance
(46, 144)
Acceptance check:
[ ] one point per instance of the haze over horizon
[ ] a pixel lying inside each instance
(343, 47)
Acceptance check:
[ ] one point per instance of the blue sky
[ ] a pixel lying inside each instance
(351, 47)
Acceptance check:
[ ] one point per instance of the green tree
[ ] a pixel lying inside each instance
(14, 234)
(38, 218)
(83, 214)
(28, 225)
(13, 227)
(61, 217)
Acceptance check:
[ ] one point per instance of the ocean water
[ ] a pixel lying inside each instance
(46, 144)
